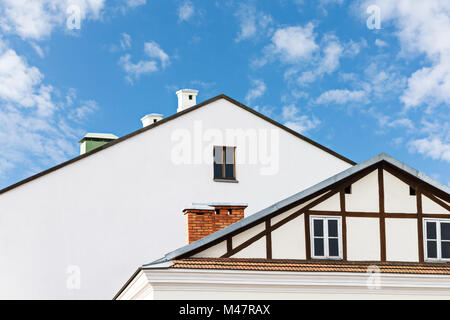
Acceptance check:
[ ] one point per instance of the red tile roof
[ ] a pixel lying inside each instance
(309, 266)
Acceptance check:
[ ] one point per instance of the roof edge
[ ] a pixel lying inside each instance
(158, 123)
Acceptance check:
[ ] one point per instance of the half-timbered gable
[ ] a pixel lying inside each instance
(380, 212)
(376, 211)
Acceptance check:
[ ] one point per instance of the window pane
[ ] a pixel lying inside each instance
(445, 231)
(218, 155)
(318, 248)
(431, 249)
(229, 155)
(318, 228)
(332, 228)
(218, 171)
(333, 247)
(229, 171)
(445, 250)
(431, 230)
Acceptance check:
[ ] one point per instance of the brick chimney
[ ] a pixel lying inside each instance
(204, 219)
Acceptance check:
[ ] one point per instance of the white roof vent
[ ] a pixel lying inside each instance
(186, 98)
(151, 119)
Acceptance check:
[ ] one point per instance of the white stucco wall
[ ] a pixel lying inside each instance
(121, 207)
(363, 239)
(288, 241)
(429, 206)
(364, 196)
(402, 240)
(256, 250)
(396, 195)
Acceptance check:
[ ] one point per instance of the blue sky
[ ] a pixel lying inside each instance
(315, 66)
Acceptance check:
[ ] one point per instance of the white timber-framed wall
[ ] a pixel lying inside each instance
(380, 221)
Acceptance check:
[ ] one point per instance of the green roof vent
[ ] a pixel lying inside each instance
(92, 141)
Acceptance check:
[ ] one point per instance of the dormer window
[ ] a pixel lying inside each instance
(437, 239)
(224, 163)
(326, 237)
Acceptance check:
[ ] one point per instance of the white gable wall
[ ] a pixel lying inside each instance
(122, 206)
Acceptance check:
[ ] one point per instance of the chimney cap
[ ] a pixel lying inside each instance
(187, 91)
(152, 115)
(213, 205)
(100, 136)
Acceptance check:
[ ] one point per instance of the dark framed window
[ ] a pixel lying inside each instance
(437, 239)
(225, 163)
(326, 238)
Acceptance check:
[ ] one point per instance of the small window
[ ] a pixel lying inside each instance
(190, 97)
(326, 237)
(437, 239)
(412, 191)
(348, 190)
(224, 163)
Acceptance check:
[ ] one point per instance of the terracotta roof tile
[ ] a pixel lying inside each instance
(310, 266)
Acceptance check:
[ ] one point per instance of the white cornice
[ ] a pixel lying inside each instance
(294, 282)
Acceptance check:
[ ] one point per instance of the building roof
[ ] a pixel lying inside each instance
(299, 198)
(309, 266)
(172, 117)
(102, 136)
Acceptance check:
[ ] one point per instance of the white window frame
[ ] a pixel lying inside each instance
(325, 237)
(438, 222)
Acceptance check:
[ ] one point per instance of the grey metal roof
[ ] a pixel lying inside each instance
(297, 197)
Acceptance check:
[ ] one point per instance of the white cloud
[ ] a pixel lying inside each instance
(380, 43)
(125, 41)
(252, 22)
(300, 123)
(84, 110)
(257, 90)
(423, 29)
(31, 19)
(135, 3)
(135, 70)
(342, 97)
(21, 84)
(294, 44)
(327, 64)
(32, 125)
(432, 147)
(185, 11)
(153, 50)
(37, 49)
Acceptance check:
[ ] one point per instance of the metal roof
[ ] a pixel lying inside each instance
(297, 197)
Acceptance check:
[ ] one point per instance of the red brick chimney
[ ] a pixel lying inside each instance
(204, 219)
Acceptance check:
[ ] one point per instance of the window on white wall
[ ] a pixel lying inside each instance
(326, 237)
(437, 239)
